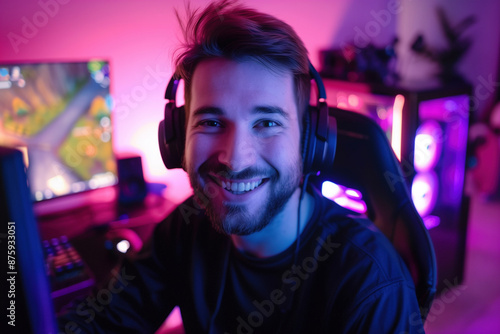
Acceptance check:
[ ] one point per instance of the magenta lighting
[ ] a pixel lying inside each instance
(427, 127)
(347, 197)
(428, 146)
(424, 191)
(439, 158)
(431, 221)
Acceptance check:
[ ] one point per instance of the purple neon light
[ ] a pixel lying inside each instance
(346, 197)
(428, 146)
(331, 190)
(349, 203)
(73, 288)
(431, 221)
(353, 193)
(424, 192)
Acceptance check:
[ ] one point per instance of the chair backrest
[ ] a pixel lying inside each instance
(365, 161)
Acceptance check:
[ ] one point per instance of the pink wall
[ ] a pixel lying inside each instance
(139, 37)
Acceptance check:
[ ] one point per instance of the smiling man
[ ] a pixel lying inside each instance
(260, 251)
(243, 140)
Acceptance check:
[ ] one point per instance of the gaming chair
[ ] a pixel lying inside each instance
(365, 161)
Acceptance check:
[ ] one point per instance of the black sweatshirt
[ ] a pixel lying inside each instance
(347, 278)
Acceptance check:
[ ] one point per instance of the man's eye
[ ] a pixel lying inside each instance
(209, 123)
(268, 124)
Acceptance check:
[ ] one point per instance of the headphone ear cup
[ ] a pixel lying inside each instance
(320, 139)
(306, 139)
(171, 136)
(331, 142)
(314, 145)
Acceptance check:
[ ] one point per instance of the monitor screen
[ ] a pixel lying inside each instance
(59, 115)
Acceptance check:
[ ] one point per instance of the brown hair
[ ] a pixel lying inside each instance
(227, 29)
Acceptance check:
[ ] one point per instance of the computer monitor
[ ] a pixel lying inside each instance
(59, 115)
(26, 300)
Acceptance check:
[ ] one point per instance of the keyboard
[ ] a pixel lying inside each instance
(68, 274)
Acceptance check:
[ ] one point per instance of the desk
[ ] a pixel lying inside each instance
(87, 221)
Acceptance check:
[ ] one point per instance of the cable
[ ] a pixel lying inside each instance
(289, 303)
(297, 242)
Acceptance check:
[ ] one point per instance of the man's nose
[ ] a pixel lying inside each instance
(239, 151)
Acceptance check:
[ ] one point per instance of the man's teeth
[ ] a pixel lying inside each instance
(240, 186)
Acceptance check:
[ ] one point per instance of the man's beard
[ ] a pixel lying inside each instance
(235, 218)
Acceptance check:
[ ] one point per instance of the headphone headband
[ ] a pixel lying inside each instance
(319, 83)
(173, 84)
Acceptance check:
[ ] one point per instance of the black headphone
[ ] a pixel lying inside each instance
(319, 137)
